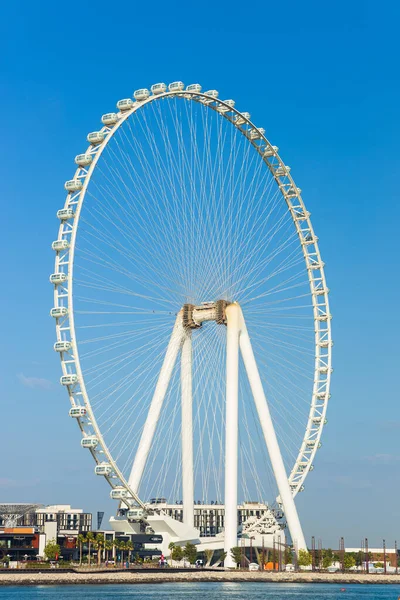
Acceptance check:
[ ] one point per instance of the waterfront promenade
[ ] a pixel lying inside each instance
(146, 576)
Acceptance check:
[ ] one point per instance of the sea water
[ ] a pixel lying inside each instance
(204, 591)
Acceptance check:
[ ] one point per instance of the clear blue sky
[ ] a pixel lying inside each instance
(323, 81)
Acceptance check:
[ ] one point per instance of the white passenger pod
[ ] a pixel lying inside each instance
(194, 87)
(158, 88)
(62, 346)
(111, 118)
(77, 411)
(324, 317)
(90, 441)
(59, 311)
(312, 444)
(96, 137)
(136, 513)
(256, 134)
(125, 104)
(57, 278)
(292, 191)
(322, 395)
(324, 369)
(213, 96)
(212, 93)
(303, 466)
(74, 185)
(282, 171)
(321, 291)
(119, 492)
(325, 344)
(309, 239)
(141, 95)
(317, 420)
(103, 469)
(65, 213)
(83, 160)
(69, 379)
(270, 151)
(242, 118)
(315, 264)
(300, 214)
(176, 86)
(60, 245)
(226, 107)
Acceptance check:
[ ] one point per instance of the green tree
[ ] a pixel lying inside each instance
(52, 549)
(177, 553)
(81, 540)
(98, 543)
(327, 558)
(190, 553)
(108, 546)
(304, 558)
(129, 548)
(171, 546)
(288, 556)
(378, 565)
(89, 538)
(236, 554)
(208, 554)
(349, 561)
(221, 559)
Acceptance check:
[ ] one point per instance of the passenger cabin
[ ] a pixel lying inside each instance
(256, 134)
(282, 171)
(226, 107)
(69, 379)
(58, 312)
(136, 513)
(65, 213)
(83, 160)
(60, 245)
(125, 104)
(119, 493)
(110, 118)
(270, 151)
(57, 278)
(158, 88)
(103, 469)
(62, 346)
(96, 137)
(141, 95)
(90, 441)
(194, 87)
(176, 86)
(77, 411)
(242, 118)
(73, 185)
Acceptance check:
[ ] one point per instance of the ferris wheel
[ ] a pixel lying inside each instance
(191, 308)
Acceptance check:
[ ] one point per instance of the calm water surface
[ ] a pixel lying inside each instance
(204, 591)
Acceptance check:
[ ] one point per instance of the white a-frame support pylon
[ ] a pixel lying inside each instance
(237, 339)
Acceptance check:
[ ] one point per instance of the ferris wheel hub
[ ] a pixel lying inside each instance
(194, 316)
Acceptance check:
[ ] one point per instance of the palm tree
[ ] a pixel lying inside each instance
(221, 559)
(171, 547)
(99, 544)
(89, 538)
(81, 540)
(108, 545)
(118, 546)
(208, 554)
(129, 548)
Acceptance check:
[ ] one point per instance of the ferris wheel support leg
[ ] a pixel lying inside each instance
(271, 440)
(187, 429)
(153, 415)
(231, 431)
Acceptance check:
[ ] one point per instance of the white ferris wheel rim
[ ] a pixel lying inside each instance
(63, 293)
